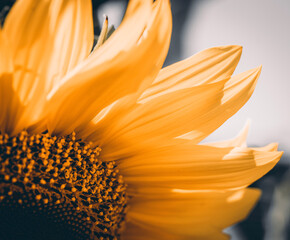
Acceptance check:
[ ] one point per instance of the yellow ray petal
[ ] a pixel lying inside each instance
(210, 65)
(197, 167)
(5, 54)
(125, 37)
(133, 7)
(202, 108)
(198, 215)
(47, 39)
(239, 141)
(122, 65)
(10, 105)
(95, 130)
(237, 92)
(137, 230)
(133, 231)
(164, 117)
(103, 34)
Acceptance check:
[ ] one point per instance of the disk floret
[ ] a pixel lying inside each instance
(61, 185)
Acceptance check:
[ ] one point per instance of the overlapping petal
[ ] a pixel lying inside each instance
(47, 39)
(216, 64)
(198, 110)
(211, 65)
(177, 189)
(10, 105)
(237, 92)
(189, 215)
(129, 60)
(5, 55)
(162, 118)
(200, 167)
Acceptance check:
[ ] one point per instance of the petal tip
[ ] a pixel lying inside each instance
(256, 193)
(238, 47)
(255, 72)
(273, 146)
(280, 153)
(277, 156)
(234, 48)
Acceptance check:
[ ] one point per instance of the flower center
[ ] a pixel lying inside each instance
(58, 188)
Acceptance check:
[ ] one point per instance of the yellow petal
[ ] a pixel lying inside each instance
(197, 167)
(47, 39)
(10, 105)
(96, 129)
(137, 231)
(192, 215)
(210, 65)
(202, 108)
(129, 60)
(5, 55)
(103, 34)
(237, 92)
(161, 119)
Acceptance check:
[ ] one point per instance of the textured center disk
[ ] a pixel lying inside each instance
(58, 188)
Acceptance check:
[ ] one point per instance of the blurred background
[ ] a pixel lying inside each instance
(262, 28)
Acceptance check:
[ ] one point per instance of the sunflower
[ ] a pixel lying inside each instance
(104, 144)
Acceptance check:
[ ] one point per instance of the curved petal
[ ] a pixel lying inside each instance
(10, 105)
(141, 231)
(191, 215)
(5, 54)
(210, 65)
(202, 108)
(126, 62)
(237, 92)
(197, 167)
(47, 39)
(160, 119)
(104, 120)
(103, 34)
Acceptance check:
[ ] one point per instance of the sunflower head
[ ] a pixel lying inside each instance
(101, 143)
(60, 187)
